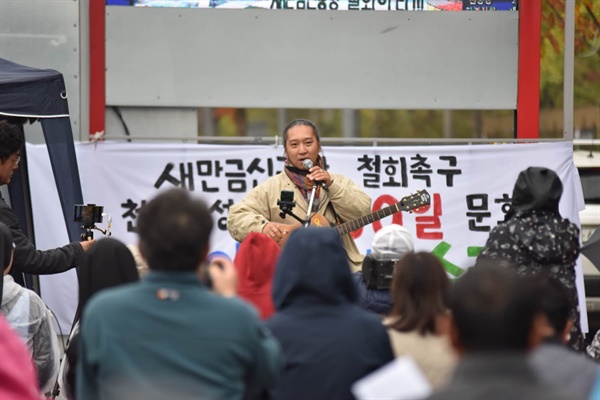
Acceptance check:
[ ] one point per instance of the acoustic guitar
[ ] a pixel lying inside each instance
(408, 203)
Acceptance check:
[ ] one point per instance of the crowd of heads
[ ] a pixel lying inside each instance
(490, 309)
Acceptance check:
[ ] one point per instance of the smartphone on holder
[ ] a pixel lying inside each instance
(287, 196)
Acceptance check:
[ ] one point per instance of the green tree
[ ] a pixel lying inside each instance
(587, 54)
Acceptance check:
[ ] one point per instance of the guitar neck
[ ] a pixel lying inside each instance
(358, 223)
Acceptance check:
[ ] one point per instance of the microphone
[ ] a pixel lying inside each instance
(308, 164)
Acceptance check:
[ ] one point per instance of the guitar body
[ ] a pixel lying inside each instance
(408, 203)
(317, 220)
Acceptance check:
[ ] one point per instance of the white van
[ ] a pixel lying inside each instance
(588, 165)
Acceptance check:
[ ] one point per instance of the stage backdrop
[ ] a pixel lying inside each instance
(470, 187)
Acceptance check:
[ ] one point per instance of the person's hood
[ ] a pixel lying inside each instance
(105, 264)
(313, 268)
(11, 289)
(537, 188)
(255, 262)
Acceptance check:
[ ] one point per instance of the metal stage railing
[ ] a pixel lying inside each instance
(344, 141)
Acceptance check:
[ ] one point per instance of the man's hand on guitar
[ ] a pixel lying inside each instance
(319, 174)
(275, 231)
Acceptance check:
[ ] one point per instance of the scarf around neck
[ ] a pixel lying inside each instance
(300, 179)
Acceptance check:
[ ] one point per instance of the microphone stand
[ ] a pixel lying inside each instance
(310, 205)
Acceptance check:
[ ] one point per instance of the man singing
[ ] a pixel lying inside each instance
(337, 198)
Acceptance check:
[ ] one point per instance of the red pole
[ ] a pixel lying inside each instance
(97, 67)
(528, 94)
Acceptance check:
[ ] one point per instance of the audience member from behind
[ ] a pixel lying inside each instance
(373, 283)
(27, 258)
(27, 314)
(255, 263)
(535, 238)
(328, 340)
(106, 264)
(420, 291)
(17, 373)
(168, 336)
(553, 361)
(492, 328)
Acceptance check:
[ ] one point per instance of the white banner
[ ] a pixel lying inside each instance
(470, 187)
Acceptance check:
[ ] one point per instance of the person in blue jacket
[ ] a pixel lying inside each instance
(328, 340)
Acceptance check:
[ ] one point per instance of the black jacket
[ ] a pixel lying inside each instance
(36, 262)
(328, 340)
(536, 239)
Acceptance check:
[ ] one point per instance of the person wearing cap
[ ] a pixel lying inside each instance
(337, 198)
(373, 283)
(27, 314)
(535, 238)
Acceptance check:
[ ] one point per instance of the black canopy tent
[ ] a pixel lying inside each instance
(29, 94)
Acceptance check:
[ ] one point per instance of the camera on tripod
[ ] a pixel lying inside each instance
(90, 215)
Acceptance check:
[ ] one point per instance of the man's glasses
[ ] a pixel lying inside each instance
(15, 160)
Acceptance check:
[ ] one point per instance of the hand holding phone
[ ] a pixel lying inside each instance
(223, 276)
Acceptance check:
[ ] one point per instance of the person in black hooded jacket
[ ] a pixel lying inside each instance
(535, 238)
(329, 341)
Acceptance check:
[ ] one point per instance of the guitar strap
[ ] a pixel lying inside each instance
(335, 214)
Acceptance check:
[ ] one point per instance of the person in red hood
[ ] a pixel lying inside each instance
(255, 263)
(17, 371)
